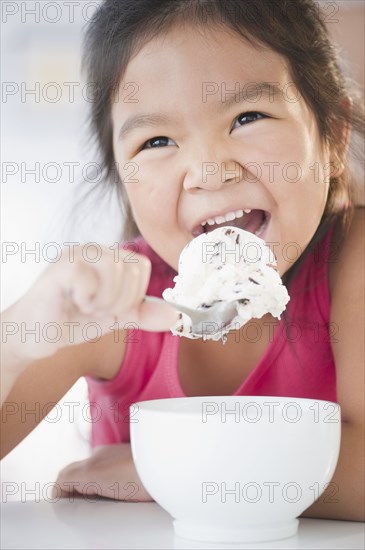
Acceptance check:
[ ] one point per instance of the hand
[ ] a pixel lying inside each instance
(75, 300)
(108, 472)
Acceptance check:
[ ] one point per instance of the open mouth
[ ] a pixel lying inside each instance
(255, 221)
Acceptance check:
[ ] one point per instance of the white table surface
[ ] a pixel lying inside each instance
(108, 524)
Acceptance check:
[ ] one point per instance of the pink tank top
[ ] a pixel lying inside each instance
(298, 361)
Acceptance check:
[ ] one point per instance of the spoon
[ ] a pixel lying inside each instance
(217, 316)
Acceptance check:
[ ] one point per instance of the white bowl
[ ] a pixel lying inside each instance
(235, 468)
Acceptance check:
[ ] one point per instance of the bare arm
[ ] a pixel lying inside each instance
(45, 381)
(344, 498)
(106, 294)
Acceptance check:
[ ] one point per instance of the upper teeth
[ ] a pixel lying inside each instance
(227, 217)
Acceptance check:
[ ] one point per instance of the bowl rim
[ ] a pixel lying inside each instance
(154, 405)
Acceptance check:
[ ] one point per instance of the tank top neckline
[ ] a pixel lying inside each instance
(172, 371)
(267, 359)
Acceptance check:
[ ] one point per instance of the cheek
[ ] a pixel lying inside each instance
(153, 194)
(297, 175)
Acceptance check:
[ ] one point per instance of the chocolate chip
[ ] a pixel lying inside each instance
(253, 281)
(244, 301)
(207, 306)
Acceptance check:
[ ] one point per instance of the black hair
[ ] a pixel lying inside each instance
(295, 30)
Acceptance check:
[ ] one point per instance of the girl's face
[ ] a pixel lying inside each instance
(205, 125)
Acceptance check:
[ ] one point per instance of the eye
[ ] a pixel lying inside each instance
(157, 143)
(246, 118)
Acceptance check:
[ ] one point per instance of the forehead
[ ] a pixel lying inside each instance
(187, 60)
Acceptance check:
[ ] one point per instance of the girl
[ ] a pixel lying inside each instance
(208, 110)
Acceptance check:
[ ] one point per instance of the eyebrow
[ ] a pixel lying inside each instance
(143, 121)
(251, 91)
(246, 94)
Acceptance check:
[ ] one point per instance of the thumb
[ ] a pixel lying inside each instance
(154, 314)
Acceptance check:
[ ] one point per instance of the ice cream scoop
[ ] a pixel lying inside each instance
(225, 266)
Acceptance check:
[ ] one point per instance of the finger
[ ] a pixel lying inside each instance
(111, 275)
(133, 290)
(119, 284)
(75, 283)
(144, 279)
(156, 316)
(87, 284)
(59, 492)
(69, 479)
(63, 488)
(84, 287)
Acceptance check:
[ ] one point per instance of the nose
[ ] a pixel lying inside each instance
(212, 173)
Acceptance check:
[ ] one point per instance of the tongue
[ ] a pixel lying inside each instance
(252, 222)
(249, 222)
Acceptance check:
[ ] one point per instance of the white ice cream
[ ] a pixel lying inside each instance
(227, 264)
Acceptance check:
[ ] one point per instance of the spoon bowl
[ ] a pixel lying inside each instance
(210, 319)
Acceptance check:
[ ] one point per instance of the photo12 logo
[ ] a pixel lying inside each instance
(252, 492)
(271, 411)
(67, 490)
(30, 12)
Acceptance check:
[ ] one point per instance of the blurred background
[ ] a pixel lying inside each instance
(47, 163)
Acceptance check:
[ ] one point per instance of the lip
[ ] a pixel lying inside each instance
(197, 228)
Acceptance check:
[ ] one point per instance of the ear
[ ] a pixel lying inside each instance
(337, 160)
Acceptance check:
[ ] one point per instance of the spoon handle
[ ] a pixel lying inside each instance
(194, 314)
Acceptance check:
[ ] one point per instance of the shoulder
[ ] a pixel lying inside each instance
(348, 253)
(346, 277)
